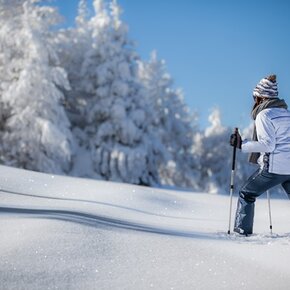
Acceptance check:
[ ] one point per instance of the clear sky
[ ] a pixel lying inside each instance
(215, 50)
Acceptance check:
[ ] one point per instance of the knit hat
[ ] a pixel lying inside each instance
(266, 88)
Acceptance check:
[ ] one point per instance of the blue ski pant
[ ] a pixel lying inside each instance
(257, 184)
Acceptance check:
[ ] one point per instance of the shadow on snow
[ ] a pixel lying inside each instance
(96, 221)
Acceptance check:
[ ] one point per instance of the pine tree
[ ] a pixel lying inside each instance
(35, 131)
(173, 122)
(72, 45)
(215, 156)
(116, 130)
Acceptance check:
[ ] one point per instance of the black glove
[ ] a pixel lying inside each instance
(236, 140)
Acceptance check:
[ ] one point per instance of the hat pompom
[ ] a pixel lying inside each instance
(272, 78)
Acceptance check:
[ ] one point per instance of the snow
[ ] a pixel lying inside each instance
(70, 233)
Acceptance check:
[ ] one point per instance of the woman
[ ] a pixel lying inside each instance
(270, 148)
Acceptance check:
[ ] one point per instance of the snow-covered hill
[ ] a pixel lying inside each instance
(68, 233)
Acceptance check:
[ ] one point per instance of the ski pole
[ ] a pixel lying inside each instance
(232, 181)
(269, 206)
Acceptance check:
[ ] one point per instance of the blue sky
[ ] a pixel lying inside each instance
(216, 51)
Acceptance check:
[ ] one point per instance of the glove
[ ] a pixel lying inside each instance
(236, 140)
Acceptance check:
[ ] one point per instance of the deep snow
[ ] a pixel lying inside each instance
(69, 233)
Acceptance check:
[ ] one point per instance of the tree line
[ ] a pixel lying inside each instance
(80, 101)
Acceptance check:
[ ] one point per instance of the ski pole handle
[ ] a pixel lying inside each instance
(232, 181)
(234, 151)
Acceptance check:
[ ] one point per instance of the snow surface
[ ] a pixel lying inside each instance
(69, 233)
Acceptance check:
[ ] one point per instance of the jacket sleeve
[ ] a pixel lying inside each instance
(266, 136)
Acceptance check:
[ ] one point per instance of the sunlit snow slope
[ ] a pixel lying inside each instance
(70, 233)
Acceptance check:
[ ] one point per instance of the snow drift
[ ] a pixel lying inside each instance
(62, 232)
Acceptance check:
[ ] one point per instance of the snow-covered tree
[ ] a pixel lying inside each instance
(173, 122)
(215, 156)
(73, 43)
(117, 117)
(213, 149)
(35, 131)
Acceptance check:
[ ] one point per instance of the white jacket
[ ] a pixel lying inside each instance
(273, 132)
